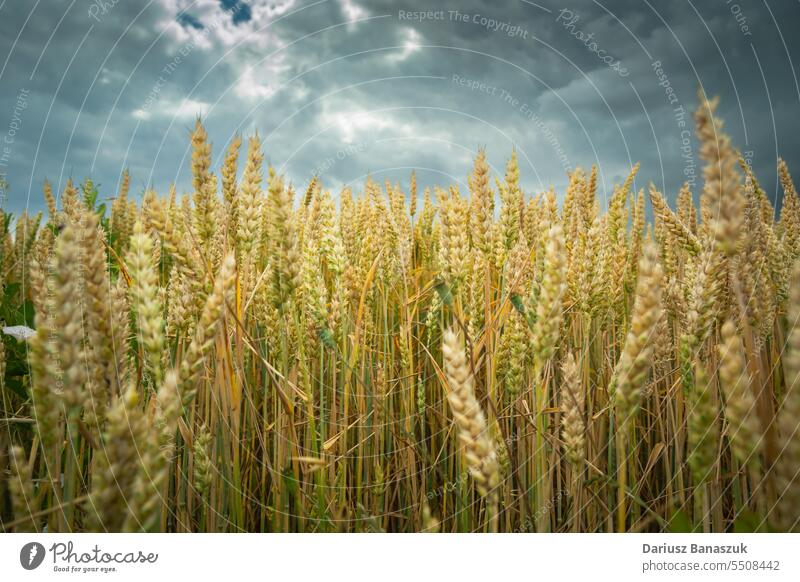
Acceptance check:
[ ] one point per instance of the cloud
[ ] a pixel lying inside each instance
(224, 23)
(354, 124)
(182, 109)
(410, 43)
(352, 11)
(251, 88)
(122, 90)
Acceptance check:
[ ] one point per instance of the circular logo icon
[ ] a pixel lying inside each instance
(31, 555)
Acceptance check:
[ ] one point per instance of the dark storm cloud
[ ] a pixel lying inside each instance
(347, 88)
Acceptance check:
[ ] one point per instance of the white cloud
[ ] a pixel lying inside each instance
(250, 88)
(142, 114)
(188, 109)
(410, 43)
(352, 10)
(182, 109)
(218, 27)
(354, 124)
(261, 81)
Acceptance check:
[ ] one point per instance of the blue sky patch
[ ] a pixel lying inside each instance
(240, 11)
(185, 19)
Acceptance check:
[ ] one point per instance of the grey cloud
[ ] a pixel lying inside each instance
(379, 96)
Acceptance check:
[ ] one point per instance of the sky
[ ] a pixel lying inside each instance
(354, 88)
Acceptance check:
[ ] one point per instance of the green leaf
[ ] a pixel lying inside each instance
(27, 314)
(326, 336)
(679, 523)
(11, 292)
(15, 385)
(748, 522)
(516, 301)
(444, 293)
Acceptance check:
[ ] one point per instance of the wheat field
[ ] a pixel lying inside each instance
(246, 357)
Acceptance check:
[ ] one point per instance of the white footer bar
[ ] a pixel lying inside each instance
(406, 557)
